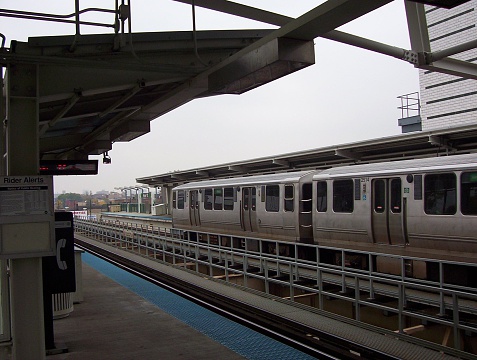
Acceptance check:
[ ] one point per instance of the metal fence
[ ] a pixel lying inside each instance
(227, 258)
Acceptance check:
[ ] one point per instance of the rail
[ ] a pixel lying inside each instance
(449, 305)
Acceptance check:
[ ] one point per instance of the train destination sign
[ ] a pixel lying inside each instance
(26, 216)
(68, 167)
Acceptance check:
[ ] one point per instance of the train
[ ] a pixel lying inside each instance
(416, 209)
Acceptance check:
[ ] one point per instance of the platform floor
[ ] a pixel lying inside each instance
(114, 323)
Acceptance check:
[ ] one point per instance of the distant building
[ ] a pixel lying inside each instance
(71, 204)
(446, 100)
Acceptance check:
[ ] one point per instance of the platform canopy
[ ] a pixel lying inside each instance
(419, 144)
(98, 89)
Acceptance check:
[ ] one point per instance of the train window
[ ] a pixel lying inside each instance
(440, 194)
(396, 196)
(306, 198)
(180, 199)
(254, 199)
(343, 196)
(218, 199)
(174, 200)
(379, 199)
(418, 187)
(272, 198)
(228, 198)
(208, 199)
(288, 201)
(321, 196)
(357, 189)
(245, 195)
(468, 195)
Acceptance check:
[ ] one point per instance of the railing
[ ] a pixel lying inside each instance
(410, 105)
(233, 257)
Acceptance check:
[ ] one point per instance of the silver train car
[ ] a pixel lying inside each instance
(276, 206)
(414, 208)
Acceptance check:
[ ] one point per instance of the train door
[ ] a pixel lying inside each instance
(387, 213)
(194, 208)
(248, 208)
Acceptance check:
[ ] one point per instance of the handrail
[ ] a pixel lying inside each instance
(169, 243)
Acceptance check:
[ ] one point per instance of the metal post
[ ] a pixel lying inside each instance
(442, 308)
(319, 279)
(26, 290)
(401, 307)
(455, 317)
(371, 282)
(209, 255)
(261, 254)
(226, 267)
(292, 293)
(245, 264)
(197, 249)
(357, 298)
(343, 277)
(265, 269)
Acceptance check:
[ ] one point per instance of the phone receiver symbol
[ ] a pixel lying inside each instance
(61, 263)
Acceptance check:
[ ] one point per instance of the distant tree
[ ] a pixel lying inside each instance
(70, 196)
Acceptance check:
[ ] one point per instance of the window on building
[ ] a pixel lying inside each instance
(272, 198)
(343, 200)
(468, 195)
(218, 199)
(440, 194)
(228, 198)
(289, 198)
(208, 199)
(321, 196)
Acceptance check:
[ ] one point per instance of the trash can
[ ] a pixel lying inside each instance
(62, 305)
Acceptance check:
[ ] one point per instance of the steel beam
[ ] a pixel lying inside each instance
(437, 61)
(271, 18)
(453, 67)
(318, 21)
(348, 154)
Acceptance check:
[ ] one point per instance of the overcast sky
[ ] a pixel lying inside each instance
(349, 94)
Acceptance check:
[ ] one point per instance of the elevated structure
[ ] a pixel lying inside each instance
(69, 97)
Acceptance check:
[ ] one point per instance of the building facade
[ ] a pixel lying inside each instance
(446, 100)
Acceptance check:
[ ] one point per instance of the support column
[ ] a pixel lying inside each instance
(26, 289)
(167, 197)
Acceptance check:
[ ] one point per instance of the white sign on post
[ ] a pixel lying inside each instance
(27, 218)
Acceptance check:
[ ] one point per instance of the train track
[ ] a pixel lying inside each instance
(320, 345)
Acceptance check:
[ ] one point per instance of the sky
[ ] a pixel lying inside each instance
(348, 95)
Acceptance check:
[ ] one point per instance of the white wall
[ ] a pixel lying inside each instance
(446, 100)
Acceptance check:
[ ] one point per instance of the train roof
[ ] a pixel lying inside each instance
(289, 177)
(454, 162)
